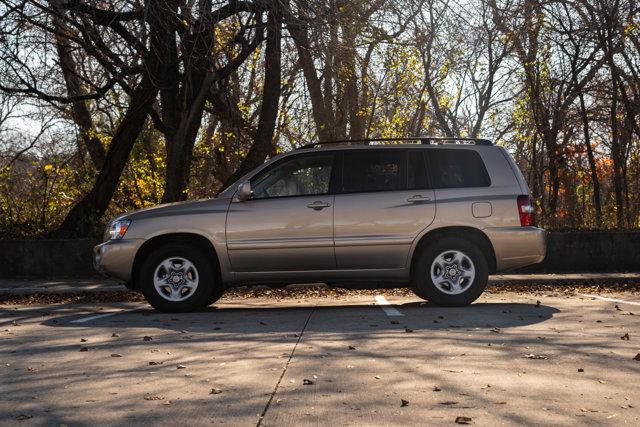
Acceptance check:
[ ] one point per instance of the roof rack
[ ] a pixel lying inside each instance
(414, 139)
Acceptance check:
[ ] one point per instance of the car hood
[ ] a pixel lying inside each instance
(179, 208)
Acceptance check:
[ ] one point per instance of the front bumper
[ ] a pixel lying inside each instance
(114, 258)
(517, 247)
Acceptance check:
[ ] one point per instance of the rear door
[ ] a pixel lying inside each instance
(383, 201)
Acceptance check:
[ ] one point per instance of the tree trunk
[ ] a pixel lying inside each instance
(616, 154)
(181, 147)
(263, 141)
(595, 181)
(79, 110)
(83, 218)
(185, 113)
(356, 122)
(297, 29)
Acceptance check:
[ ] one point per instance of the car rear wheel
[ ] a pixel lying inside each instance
(178, 278)
(452, 272)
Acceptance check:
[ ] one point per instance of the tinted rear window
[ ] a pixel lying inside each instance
(416, 171)
(376, 170)
(458, 169)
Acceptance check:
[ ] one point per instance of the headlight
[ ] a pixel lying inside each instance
(117, 229)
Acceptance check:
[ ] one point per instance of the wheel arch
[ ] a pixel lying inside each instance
(199, 241)
(472, 234)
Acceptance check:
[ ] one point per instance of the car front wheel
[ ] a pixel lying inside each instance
(452, 272)
(178, 278)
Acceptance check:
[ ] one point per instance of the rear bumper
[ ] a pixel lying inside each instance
(115, 258)
(517, 247)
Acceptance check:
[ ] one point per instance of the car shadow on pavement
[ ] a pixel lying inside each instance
(333, 318)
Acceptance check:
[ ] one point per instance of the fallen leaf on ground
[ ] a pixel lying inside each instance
(23, 417)
(464, 420)
(306, 381)
(404, 402)
(536, 356)
(154, 397)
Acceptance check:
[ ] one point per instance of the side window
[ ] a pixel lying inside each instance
(299, 176)
(374, 170)
(416, 170)
(458, 169)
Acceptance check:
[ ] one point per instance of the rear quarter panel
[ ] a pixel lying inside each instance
(454, 206)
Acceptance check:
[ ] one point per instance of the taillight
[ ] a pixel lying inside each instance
(527, 210)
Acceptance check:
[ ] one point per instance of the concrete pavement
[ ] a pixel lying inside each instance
(507, 359)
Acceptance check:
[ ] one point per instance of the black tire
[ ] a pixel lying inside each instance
(207, 291)
(424, 287)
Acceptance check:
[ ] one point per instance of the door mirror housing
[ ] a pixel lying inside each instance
(244, 191)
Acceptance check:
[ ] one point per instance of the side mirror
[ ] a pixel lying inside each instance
(244, 191)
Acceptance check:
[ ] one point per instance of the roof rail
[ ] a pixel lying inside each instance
(414, 139)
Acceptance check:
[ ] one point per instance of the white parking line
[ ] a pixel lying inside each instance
(97, 316)
(386, 306)
(621, 301)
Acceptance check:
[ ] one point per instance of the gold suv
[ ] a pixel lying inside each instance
(438, 214)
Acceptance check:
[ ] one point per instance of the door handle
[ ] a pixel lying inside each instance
(418, 198)
(318, 205)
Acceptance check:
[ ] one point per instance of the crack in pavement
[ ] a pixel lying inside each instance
(284, 370)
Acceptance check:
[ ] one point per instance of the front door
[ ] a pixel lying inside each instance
(288, 223)
(382, 204)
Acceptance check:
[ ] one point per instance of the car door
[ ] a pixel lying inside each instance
(383, 202)
(287, 225)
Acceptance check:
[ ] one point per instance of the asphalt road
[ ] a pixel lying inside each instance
(340, 361)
